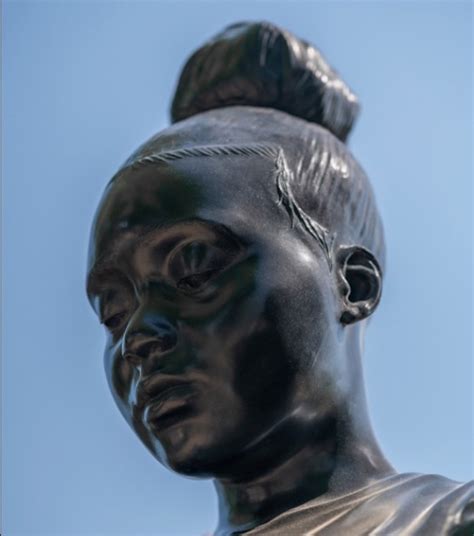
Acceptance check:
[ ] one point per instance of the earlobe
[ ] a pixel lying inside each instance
(360, 283)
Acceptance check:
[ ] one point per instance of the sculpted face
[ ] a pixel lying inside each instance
(219, 316)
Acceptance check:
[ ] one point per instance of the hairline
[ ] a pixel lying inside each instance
(283, 177)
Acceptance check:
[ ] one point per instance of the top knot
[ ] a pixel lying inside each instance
(259, 64)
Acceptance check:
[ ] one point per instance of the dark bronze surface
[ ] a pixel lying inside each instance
(235, 259)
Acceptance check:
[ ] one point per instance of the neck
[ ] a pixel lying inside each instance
(333, 458)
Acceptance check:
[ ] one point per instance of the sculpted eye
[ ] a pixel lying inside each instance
(194, 281)
(116, 301)
(114, 321)
(194, 264)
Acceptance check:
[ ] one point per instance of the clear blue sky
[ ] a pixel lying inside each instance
(84, 83)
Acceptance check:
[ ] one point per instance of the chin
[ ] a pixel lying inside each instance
(185, 450)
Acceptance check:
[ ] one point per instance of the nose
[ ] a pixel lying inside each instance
(148, 333)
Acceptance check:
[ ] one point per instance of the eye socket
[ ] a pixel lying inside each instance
(114, 321)
(194, 282)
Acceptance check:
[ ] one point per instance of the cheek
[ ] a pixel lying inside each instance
(302, 302)
(264, 368)
(243, 357)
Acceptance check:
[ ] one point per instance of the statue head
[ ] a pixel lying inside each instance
(234, 261)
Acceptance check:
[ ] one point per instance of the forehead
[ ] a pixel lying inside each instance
(236, 191)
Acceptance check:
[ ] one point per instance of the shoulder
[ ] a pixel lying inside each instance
(411, 504)
(454, 508)
(434, 504)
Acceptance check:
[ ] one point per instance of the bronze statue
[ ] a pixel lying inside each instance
(235, 259)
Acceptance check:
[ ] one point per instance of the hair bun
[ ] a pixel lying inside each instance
(259, 64)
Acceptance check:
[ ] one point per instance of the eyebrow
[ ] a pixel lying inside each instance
(104, 266)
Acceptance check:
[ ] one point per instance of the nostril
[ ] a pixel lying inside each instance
(149, 347)
(167, 341)
(148, 335)
(160, 344)
(138, 348)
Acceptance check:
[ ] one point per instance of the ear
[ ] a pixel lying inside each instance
(360, 283)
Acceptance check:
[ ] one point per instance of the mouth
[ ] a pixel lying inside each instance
(167, 403)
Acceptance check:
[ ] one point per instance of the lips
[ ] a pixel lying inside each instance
(164, 400)
(154, 387)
